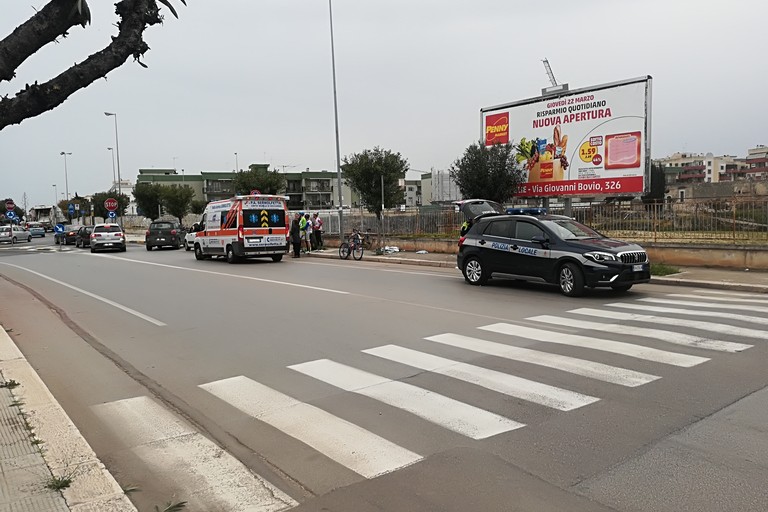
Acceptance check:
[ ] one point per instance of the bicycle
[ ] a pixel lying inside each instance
(354, 245)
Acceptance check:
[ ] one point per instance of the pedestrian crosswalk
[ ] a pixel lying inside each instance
(636, 335)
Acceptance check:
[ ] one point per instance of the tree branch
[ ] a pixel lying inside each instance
(44, 27)
(36, 99)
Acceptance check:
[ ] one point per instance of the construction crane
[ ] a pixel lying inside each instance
(550, 74)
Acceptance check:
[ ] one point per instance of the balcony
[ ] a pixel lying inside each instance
(693, 167)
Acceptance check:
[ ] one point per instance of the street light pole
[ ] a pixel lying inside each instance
(237, 165)
(114, 178)
(66, 180)
(336, 119)
(119, 179)
(55, 218)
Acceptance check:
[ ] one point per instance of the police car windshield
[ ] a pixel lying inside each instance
(569, 229)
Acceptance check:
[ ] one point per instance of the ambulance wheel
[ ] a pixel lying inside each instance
(231, 258)
(277, 257)
(199, 252)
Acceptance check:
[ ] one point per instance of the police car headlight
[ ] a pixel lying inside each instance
(600, 257)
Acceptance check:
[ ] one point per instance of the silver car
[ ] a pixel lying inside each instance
(11, 234)
(107, 236)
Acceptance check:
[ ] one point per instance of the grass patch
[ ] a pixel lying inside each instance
(9, 384)
(661, 269)
(58, 483)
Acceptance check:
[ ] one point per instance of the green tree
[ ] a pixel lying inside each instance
(259, 178)
(488, 172)
(98, 203)
(363, 172)
(52, 24)
(149, 198)
(197, 206)
(177, 200)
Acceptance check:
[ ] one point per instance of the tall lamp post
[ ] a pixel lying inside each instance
(114, 178)
(55, 200)
(336, 119)
(237, 165)
(66, 180)
(119, 179)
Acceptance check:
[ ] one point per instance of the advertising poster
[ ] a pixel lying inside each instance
(585, 142)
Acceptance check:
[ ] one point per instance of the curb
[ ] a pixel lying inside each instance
(66, 452)
(666, 280)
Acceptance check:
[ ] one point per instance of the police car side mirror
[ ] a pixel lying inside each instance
(541, 240)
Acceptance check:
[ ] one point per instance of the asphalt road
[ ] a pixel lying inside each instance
(342, 385)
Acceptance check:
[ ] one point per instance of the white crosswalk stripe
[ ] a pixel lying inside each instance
(590, 369)
(354, 447)
(732, 294)
(698, 304)
(439, 409)
(615, 347)
(691, 312)
(720, 299)
(659, 334)
(211, 478)
(531, 391)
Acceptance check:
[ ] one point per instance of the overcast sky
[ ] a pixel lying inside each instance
(253, 77)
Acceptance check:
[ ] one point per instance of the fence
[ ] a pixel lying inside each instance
(737, 221)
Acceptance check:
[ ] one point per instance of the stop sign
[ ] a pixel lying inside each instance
(110, 204)
(9, 205)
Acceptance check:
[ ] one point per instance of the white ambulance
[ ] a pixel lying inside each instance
(249, 226)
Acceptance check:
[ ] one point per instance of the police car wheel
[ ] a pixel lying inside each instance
(571, 280)
(473, 271)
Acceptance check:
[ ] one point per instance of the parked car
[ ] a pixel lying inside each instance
(67, 237)
(12, 233)
(189, 237)
(107, 236)
(83, 236)
(550, 249)
(164, 234)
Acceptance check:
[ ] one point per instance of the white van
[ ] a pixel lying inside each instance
(249, 226)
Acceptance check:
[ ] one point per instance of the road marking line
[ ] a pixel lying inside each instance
(457, 416)
(709, 326)
(740, 307)
(657, 334)
(615, 347)
(211, 477)
(721, 299)
(732, 294)
(352, 446)
(518, 387)
(435, 273)
(590, 369)
(224, 274)
(92, 295)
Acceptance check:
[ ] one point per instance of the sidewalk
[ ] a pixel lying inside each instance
(38, 440)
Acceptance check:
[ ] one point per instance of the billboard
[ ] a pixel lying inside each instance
(585, 142)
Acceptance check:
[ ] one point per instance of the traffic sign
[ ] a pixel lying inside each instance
(77, 206)
(110, 204)
(59, 228)
(71, 209)
(10, 205)
(10, 214)
(112, 215)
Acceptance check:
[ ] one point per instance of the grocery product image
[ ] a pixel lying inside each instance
(548, 161)
(622, 150)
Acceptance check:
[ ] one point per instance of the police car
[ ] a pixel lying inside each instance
(550, 249)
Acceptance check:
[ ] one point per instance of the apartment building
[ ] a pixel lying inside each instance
(682, 168)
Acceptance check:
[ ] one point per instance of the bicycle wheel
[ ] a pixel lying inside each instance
(344, 250)
(357, 252)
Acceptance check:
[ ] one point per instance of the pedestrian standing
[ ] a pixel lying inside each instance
(317, 229)
(308, 239)
(295, 234)
(302, 228)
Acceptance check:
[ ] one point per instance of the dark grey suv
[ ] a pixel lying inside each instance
(551, 249)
